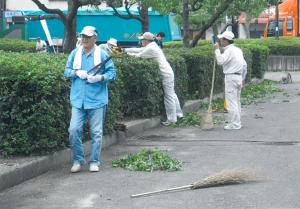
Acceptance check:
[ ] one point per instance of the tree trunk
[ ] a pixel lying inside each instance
(145, 19)
(185, 24)
(223, 7)
(70, 35)
(235, 27)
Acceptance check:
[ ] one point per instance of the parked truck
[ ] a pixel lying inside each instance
(288, 21)
(18, 25)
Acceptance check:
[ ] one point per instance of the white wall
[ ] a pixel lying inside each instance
(29, 5)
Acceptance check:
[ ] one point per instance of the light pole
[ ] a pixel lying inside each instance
(298, 16)
(277, 21)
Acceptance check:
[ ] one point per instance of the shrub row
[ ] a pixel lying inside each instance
(34, 99)
(16, 45)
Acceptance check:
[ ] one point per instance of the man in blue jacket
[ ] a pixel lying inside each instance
(89, 96)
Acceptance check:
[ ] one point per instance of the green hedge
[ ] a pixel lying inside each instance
(260, 55)
(33, 103)
(16, 45)
(141, 94)
(34, 99)
(199, 62)
(286, 46)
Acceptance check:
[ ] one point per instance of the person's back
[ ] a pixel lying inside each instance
(41, 45)
(159, 39)
(235, 61)
(152, 50)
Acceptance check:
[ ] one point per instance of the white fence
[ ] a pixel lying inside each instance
(284, 63)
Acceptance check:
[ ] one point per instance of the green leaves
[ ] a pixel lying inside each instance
(148, 160)
(252, 92)
(15, 45)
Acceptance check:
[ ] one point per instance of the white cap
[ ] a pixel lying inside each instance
(147, 36)
(112, 41)
(227, 35)
(89, 31)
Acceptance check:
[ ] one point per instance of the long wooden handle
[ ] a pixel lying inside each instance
(189, 186)
(212, 87)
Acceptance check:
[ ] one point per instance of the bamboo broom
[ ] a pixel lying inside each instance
(207, 119)
(225, 177)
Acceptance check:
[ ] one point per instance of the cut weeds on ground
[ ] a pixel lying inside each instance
(148, 160)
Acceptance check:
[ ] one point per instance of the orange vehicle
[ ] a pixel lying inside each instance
(288, 24)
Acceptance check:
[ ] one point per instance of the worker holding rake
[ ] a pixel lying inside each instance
(235, 70)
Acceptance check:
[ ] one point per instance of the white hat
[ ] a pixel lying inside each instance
(227, 35)
(89, 31)
(112, 41)
(147, 36)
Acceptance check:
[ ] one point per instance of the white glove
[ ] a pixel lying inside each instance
(81, 74)
(95, 78)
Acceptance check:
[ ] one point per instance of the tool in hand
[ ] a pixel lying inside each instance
(207, 118)
(98, 67)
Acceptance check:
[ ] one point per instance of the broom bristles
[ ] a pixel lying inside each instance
(227, 177)
(207, 121)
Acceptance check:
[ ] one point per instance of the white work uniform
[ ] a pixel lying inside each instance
(41, 46)
(106, 47)
(152, 50)
(235, 70)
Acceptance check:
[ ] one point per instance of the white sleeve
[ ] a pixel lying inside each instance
(148, 52)
(132, 51)
(222, 58)
(244, 74)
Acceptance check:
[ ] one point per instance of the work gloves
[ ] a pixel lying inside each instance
(81, 74)
(94, 78)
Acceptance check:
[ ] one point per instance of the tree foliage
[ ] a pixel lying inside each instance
(199, 15)
(69, 18)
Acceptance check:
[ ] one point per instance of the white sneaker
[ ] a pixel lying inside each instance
(167, 123)
(232, 127)
(94, 168)
(179, 116)
(75, 168)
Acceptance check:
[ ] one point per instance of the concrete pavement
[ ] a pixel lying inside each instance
(269, 140)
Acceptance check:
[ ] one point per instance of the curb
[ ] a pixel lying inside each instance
(33, 167)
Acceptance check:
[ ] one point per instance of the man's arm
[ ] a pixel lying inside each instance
(244, 73)
(222, 58)
(133, 51)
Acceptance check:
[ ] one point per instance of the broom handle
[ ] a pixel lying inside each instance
(212, 87)
(189, 186)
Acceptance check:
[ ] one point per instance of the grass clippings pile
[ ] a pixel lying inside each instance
(148, 160)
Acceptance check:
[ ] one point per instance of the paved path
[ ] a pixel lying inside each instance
(269, 141)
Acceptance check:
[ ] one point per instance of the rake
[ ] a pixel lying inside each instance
(225, 177)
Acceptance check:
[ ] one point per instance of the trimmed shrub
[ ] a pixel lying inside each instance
(141, 95)
(16, 45)
(260, 55)
(34, 99)
(199, 62)
(286, 46)
(33, 103)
